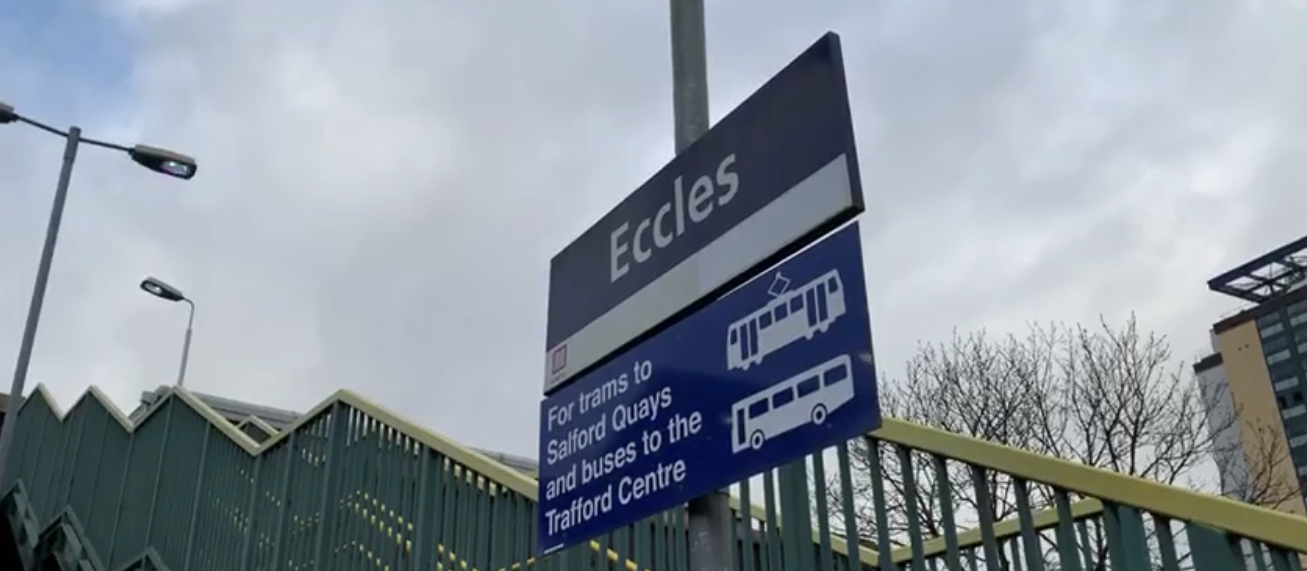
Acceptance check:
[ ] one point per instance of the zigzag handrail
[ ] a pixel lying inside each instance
(479, 463)
(486, 467)
(1248, 521)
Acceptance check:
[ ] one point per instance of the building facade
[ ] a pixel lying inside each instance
(1255, 381)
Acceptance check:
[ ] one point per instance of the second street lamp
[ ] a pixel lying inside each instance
(157, 288)
(162, 161)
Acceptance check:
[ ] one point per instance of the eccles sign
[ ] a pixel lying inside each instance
(669, 222)
(776, 172)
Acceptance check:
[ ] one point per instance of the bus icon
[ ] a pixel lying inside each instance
(808, 397)
(789, 316)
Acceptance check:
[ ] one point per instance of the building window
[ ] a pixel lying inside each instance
(1302, 470)
(1276, 344)
(1283, 355)
(1281, 371)
(1266, 320)
(1297, 308)
(1299, 440)
(1294, 411)
(1272, 330)
(1298, 319)
(1286, 384)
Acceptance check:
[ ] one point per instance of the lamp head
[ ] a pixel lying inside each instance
(163, 161)
(7, 113)
(158, 288)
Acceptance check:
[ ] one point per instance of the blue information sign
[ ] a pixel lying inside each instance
(778, 368)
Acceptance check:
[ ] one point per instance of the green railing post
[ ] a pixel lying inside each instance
(48, 493)
(422, 534)
(985, 507)
(910, 503)
(1029, 539)
(199, 492)
(952, 553)
(1166, 543)
(1116, 554)
(171, 404)
(247, 542)
(1280, 560)
(1135, 537)
(825, 559)
(331, 471)
(878, 498)
(14, 473)
(122, 491)
(104, 435)
(852, 536)
(1211, 550)
(67, 488)
(283, 502)
(791, 536)
(1067, 553)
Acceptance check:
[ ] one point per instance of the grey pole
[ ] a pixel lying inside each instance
(72, 140)
(710, 515)
(689, 72)
(186, 345)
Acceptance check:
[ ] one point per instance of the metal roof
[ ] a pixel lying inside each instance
(1267, 275)
(236, 411)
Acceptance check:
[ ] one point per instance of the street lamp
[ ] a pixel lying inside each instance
(157, 288)
(159, 160)
(156, 159)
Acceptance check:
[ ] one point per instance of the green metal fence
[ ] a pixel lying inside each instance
(352, 486)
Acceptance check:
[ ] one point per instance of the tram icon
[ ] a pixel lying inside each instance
(789, 316)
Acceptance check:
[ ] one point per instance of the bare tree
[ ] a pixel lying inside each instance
(1109, 397)
(1256, 468)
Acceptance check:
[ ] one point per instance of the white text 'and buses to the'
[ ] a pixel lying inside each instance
(629, 489)
(585, 470)
(668, 222)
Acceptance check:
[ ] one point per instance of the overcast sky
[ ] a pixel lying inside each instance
(382, 184)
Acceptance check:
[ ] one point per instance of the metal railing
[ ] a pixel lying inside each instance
(352, 486)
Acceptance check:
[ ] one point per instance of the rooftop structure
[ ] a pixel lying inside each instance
(1266, 276)
(237, 412)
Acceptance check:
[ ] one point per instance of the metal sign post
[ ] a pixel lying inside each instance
(710, 515)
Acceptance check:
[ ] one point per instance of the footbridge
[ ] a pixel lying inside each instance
(351, 486)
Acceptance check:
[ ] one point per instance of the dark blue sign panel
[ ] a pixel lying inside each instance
(775, 370)
(774, 174)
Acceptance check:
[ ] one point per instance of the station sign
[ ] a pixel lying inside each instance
(772, 176)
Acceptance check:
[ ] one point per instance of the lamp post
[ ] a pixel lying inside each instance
(157, 288)
(159, 160)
